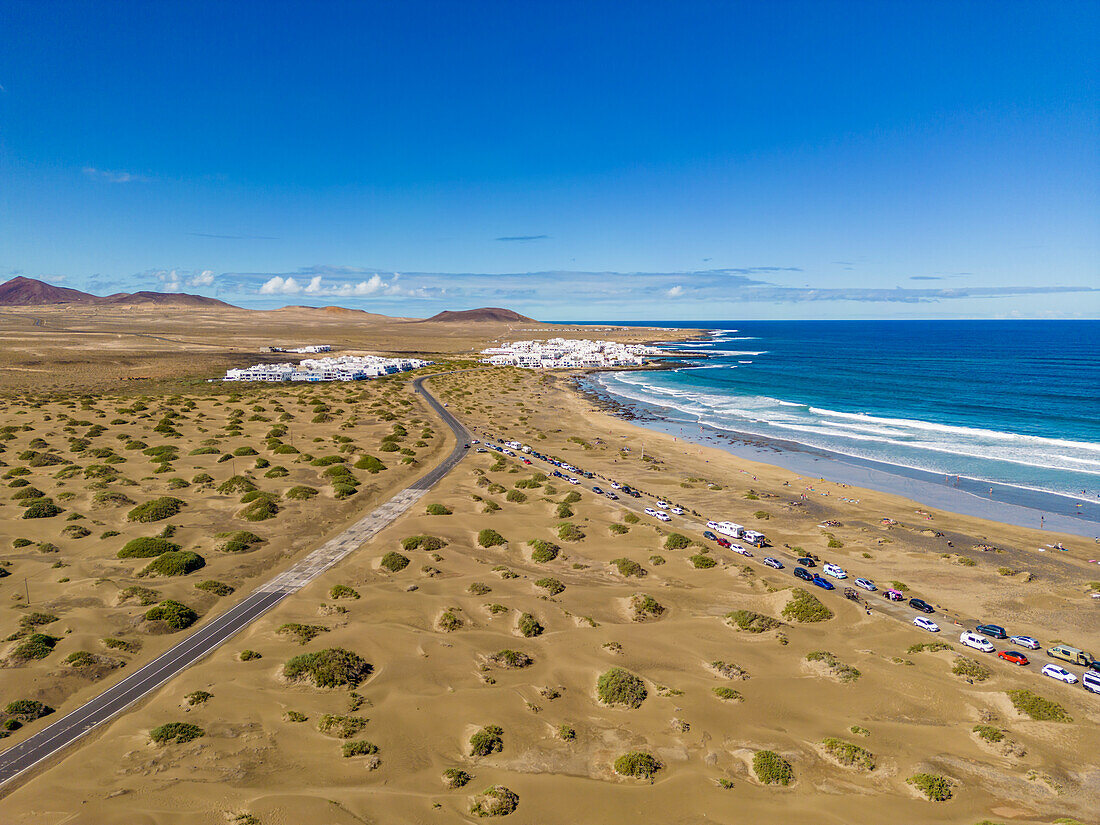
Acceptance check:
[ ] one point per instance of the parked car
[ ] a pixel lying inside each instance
(707, 534)
(773, 563)
(835, 570)
(927, 624)
(615, 485)
(921, 605)
(572, 480)
(737, 548)
(663, 505)
(526, 461)
(612, 496)
(722, 542)
(664, 517)
(994, 630)
(481, 450)
(804, 574)
(679, 511)
(806, 561)
(866, 584)
(597, 490)
(975, 641)
(822, 583)
(1025, 641)
(1070, 654)
(893, 595)
(1059, 673)
(649, 511)
(1014, 656)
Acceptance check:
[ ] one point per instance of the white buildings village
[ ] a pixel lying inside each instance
(341, 368)
(564, 353)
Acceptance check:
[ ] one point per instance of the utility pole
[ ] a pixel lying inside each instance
(28, 587)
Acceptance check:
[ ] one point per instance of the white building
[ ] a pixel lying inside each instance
(566, 353)
(343, 368)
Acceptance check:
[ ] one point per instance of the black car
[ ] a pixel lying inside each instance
(994, 630)
(807, 562)
(707, 534)
(804, 574)
(921, 605)
(597, 491)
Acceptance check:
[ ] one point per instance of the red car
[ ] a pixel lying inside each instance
(1013, 656)
(722, 542)
(526, 461)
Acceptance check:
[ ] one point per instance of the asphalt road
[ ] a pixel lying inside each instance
(17, 760)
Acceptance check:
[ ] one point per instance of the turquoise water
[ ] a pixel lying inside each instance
(1012, 403)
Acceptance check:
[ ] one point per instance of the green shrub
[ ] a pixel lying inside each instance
(176, 615)
(156, 510)
(529, 626)
(237, 541)
(568, 531)
(249, 655)
(449, 622)
(439, 510)
(543, 551)
(511, 659)
(174, 563)
(702, 562)
(931, 647)
(843, 672)
(341, 727)
(328, 460)
(618, 529)
(456, 778)
(806, 607)
(628, 567)
(645, 607)
(28, 492)
(302, 633)
(495, 801)
(216, 587)
(35, 646)
(301, 493)
(177, 732)
(551, 585)
(490, 538)
(145, 596)
(277, 472)
(237, 484)
(27, 710)
(369, 463)
(479, 589)
(771, 768)
(42, 508)
(676, 541)
(637, 764)
(488, 740)
(17, 543)
(971, 669)
(260, 509)
(849, 755)
(729, 670)
(360, 748)
(394, 562)
(295, 716)
(564, 511)
(342, 591)
(516, 497)
(752, 622)
(429, 543)
(81, 658)
(1038, 708)
(198, 697)
(727, 694)
(934, 787)
(146, 547)
(331, 667)
(621, 687)
(988, 733)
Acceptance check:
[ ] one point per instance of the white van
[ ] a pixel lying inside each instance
(835, 570)
(1090, 681)
(728, 528)
(976, 641)
(754, 538)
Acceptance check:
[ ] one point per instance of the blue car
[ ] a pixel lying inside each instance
(820, 582)
(707, 534)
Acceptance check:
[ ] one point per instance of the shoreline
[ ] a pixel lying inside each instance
(1009, 505)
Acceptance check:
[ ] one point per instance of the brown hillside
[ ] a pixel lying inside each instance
(494, 314)
(22, 291)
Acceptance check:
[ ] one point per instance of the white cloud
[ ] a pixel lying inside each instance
(675, 292)
(280, 286)
(204, 278)
(173, 280)
(319, 288)
(115, 175)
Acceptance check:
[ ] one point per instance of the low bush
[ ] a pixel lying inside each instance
(259, 509)
(931, 647)
(988, 733)
(428, 543)
(438, 510)
(156, 510)
(752, 622)
(341, 727)
(369, 463)
(637, 764)
(111, 498)
(676, 541)
(488, 740)
(490, 538)
(42, 508)
(198, 697)
(144, 596)
(35, 646)
(27, 710)
(970, 669)
(301, 493)
(360, 748)
(567, 531)
(176, 732)
(449, 622)
(215, 587)
(702, 562)
(174, 563)
(332, 667)
(237, 484)
(771, 768)
(564, 511)
(529, 626)
(302, 633)
(511, 659)
(551, 585)
(394, 562)
(479, 589)
(516, 497)
(621, 687)
(645, 607)
(727, 694)
(804, 606)
(543, 551)
(618, 529)
(933, 787)
(1038, 708)
(456, 778)
(174, 614)
(628, 567)
(849, 755)
(843, 672)
(495, 801)
(249, 655)
(342, 591)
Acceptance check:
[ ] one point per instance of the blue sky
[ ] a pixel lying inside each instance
(568, 160)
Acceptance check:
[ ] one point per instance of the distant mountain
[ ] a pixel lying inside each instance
(483, 314)
(24, 292)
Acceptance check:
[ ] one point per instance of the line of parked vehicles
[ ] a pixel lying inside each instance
(720, 532)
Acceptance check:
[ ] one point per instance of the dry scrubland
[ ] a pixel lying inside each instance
(128, 519)
(529, 652)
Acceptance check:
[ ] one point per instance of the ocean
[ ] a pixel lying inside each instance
(1012, 404)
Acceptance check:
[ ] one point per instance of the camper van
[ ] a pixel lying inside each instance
(754, 538)
(1071, 655)
(976, 641)
(1091, 681)
(727, 528)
